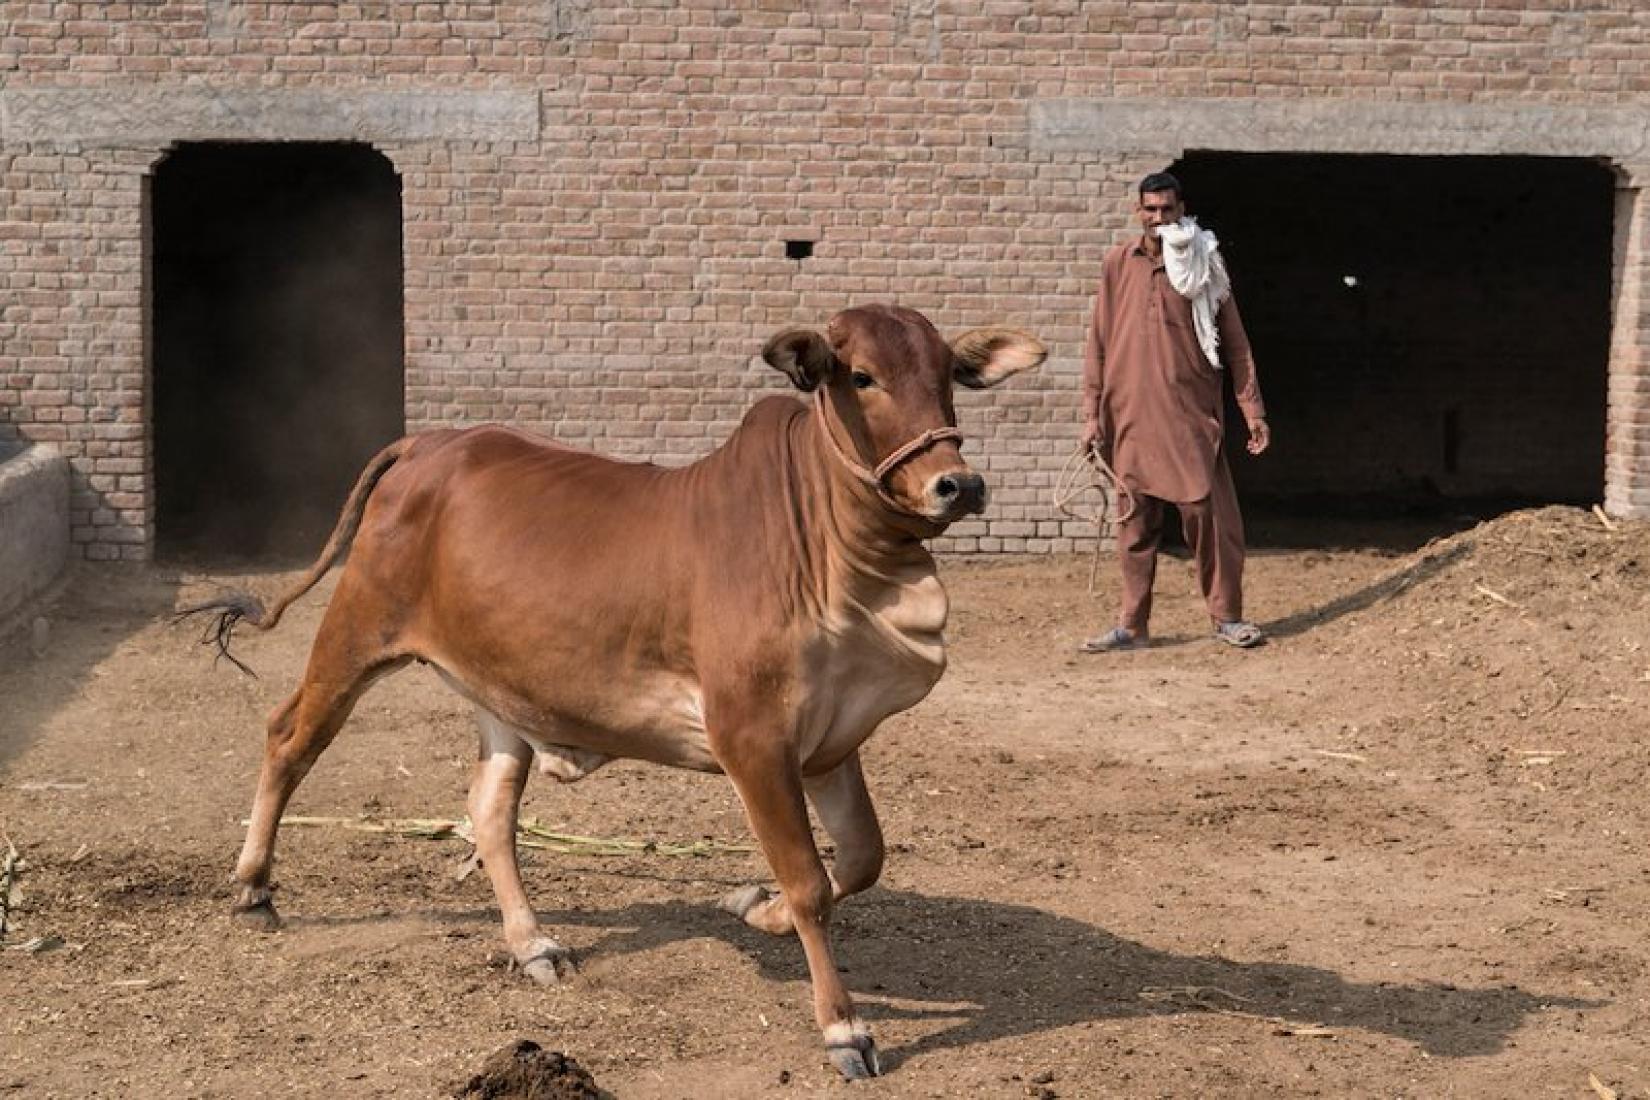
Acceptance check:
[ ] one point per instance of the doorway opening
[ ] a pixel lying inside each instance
(1432, 333)
(277, 351)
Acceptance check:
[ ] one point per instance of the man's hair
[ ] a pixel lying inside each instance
(1161, 181)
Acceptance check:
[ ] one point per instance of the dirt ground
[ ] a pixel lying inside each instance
(1399, 851)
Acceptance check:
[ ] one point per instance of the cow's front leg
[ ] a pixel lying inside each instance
(845, 810)
(495, 797)
(769, 781)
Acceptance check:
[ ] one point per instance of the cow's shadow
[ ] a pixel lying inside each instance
(999, 970)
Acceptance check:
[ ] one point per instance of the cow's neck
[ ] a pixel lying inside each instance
(875, 570)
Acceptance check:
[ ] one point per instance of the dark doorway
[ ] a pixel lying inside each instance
(1432, 333)
(277, 341)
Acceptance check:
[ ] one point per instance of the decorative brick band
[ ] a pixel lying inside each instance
(1171, 126)
(135, 117)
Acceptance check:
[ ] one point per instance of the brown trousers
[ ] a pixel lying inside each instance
(1214, 532)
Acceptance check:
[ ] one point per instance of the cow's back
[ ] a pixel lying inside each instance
(566, 592)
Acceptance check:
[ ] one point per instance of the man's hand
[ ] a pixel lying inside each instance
(1091, 435)
(1260, 436)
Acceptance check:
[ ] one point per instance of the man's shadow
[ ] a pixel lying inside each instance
(1389, 586)
(1001, 970)
(1422, 567)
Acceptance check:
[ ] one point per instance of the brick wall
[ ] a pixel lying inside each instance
(72, 333)
(1627, 446)
(608, 275)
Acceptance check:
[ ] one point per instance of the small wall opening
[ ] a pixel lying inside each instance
(277, 341)
(1432, 333)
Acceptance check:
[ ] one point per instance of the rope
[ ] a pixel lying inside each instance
(878, 478)
(1101, 479)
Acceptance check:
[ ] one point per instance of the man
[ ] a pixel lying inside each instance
(1164, 335)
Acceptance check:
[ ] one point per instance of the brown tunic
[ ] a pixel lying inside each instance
(1145, 381)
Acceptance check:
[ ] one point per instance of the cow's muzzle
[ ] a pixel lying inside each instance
(957, 494)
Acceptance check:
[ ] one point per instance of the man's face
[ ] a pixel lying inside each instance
(1158, 208)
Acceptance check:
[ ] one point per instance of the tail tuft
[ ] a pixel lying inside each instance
(235, 606)
(220, 631)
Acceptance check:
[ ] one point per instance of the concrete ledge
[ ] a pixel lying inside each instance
(1169, 127)
(139, 117)
(34, 527)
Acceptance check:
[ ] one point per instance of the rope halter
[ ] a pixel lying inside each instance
(877, 479)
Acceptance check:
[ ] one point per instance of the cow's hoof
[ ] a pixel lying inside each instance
(551, 964)
(856, 1058)
(762, 909)
(256, 910)
(741, 901)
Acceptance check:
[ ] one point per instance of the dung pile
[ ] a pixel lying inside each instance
(525, 1071)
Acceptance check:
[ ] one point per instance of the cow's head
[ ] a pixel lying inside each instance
(885, 375)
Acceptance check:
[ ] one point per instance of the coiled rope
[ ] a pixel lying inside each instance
(1087, 472)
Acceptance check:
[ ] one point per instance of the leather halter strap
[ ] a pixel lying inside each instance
(877, 479)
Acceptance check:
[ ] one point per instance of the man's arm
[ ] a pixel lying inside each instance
(1240, 364)
(1094, 364)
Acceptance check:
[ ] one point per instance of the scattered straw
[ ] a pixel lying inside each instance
(1496, 596)
(1604, 519)
(8, 878)
(1558, 700)
(533, 835)
(529, 834)
(143, 983)
(1605, 1092)
(39, 945)
(1333, 755)
(1201, 996)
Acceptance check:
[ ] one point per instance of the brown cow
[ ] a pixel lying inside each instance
(757, 613)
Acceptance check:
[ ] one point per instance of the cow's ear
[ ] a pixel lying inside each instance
(983, 357)
(803, 355)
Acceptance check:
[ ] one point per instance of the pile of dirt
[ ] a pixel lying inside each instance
(1558, 566)
(1521, 640)
(526, 1071)
(1547, 559)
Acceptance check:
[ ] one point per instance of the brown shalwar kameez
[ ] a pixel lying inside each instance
(1160, 410)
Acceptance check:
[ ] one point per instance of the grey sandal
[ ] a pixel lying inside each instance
(1243, 635)
(1117, 638)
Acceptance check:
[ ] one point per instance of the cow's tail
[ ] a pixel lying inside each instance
(232, 608)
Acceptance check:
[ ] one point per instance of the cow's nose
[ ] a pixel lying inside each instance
(959, 493)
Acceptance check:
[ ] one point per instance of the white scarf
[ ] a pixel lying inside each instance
(1191, 259)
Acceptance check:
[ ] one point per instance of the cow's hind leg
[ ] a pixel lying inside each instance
(845, 810)
(772, 791)
(299, 730)
(844, 807)
(502, 765)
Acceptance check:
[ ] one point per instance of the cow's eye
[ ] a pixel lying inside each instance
(863, 381)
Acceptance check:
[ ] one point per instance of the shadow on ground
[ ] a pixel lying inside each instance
(1386, 587)
(99, 607)
(1000, 970)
